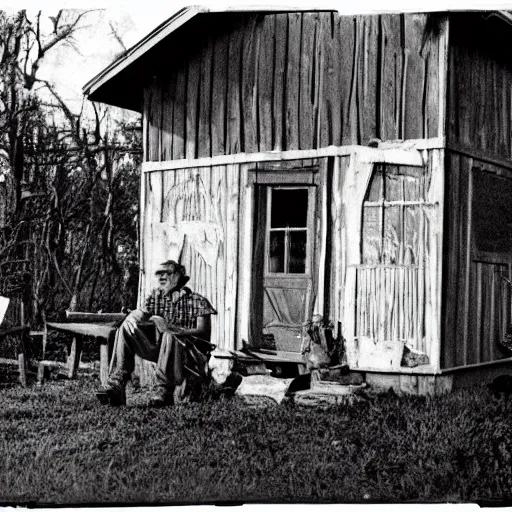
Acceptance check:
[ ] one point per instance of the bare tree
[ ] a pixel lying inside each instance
(63, 223)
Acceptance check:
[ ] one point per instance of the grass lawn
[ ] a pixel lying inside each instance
(57, 445)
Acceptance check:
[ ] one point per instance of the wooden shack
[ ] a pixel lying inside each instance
(357, 167)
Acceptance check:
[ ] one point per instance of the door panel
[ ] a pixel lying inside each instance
(286, 260)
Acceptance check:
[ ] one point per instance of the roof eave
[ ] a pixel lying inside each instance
(140, 48)
(164, 30)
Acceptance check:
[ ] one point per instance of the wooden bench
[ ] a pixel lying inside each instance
(101, 326)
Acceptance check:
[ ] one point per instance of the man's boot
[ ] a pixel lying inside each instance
(162, 397)
(112, 395)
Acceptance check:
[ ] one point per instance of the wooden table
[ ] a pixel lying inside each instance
(103, 332)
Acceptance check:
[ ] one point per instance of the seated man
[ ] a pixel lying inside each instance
(173, 330)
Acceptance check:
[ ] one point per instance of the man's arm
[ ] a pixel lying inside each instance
(137, 315)
(202, 329)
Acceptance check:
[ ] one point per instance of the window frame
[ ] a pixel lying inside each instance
(309, 229)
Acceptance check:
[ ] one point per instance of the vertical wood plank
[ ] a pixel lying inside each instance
(180, 110)
(415, 76)
(219, 91)
(154, 119)
(143, 247)
(145, 121)
(246, 207)
(266, 83)
(493, 306)
(452, 221)
(293, 80)
(391, 76)
(452, 126)
(442, 74)
(331, 100)
(464, 263)
(205, 88)
(321, 240)
(249, 84)
(280, 86)
(339, 171)
(192, 105)
(232, 253)
(433, 89)
(234, 111)
(167, 117)
(352, 121)
(221, 202)
(368, 79)
(503, 108)
(307, 92)
(437, 191)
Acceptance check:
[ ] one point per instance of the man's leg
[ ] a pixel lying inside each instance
(170, 371)
(126, 347)
(181, 368)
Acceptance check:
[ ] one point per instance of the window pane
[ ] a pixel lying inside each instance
(276, 252)
(298, 241)
(492, 212)
(375, 191)
(289, 208)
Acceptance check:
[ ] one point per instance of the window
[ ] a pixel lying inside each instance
(394, 215)
(287, 230)
(492, 212)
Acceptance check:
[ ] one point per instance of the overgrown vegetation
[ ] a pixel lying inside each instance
(57, 445)
(68, 181)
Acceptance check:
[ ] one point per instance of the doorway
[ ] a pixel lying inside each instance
(283, 265)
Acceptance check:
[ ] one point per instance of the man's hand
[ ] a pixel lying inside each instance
(161, 325)
(131, 320)
(177, 330)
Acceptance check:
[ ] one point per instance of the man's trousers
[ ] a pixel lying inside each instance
(176, 357)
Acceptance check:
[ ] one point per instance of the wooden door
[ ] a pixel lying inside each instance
(284, 258)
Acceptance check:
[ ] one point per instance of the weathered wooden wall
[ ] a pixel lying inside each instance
(387, 271)
(200, 215)
(479, 108)
(193, 214)
(476, 305)
(231, 83)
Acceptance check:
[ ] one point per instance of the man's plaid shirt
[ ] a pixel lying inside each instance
(180, 308)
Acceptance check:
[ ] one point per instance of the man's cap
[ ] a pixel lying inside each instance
(175, 267)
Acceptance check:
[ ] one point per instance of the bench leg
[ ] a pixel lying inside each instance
(104, 360)
(22, 361)
(40, 374)
(74, 356)
(22, 365)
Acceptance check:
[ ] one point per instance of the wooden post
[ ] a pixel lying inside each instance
(245, 273)
(22, 359)
(22, 363)
(40, 373)
(358, 177)
(104, 361)
(74, 356)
